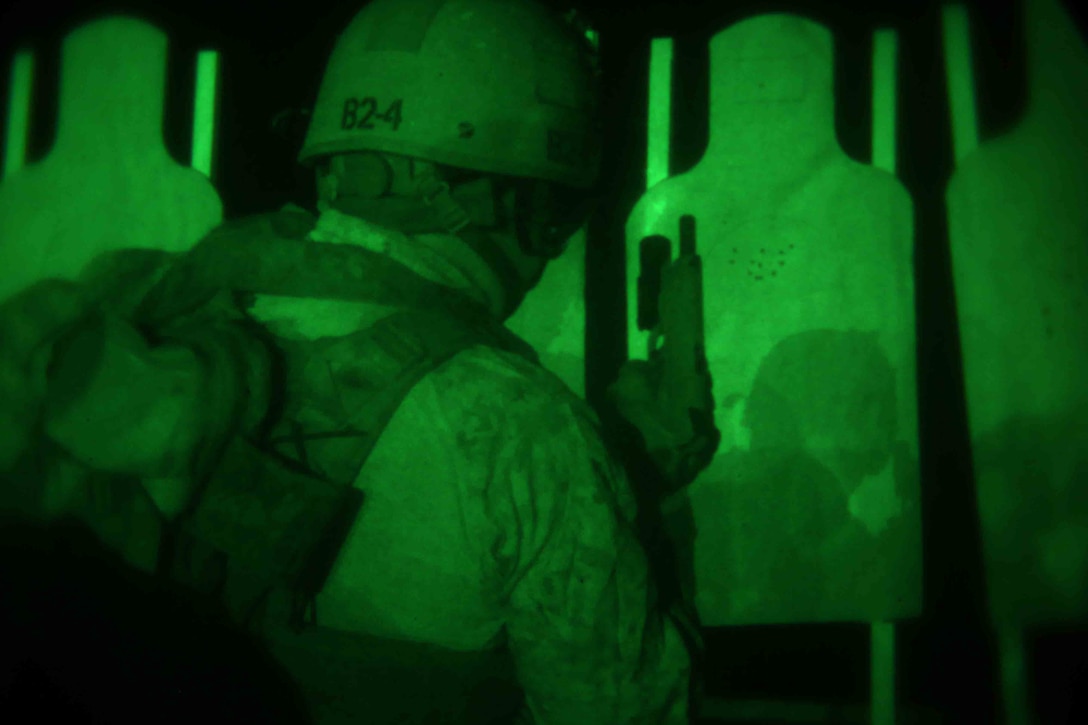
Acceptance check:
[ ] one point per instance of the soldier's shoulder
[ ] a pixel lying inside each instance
(290, 222)
(525, 391)
(506, 373)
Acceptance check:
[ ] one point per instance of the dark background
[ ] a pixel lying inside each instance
(272, 57)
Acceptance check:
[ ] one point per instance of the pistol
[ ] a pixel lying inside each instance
(670, 308)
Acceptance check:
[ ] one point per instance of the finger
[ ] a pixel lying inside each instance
(14, 440)
(34, 315)
(636, 375)
(631, 394)
(18, 412)
(47, 299)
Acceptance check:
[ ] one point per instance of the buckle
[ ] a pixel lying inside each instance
(440, 187)
(452, 215)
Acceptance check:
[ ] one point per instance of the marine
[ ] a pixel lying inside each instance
(342, 441)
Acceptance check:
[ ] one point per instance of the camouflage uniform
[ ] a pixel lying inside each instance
(493, 567)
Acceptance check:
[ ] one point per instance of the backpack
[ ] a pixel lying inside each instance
(275, 499)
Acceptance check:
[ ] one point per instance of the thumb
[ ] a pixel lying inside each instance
(34, 316)
(635, 380)
(19, 412)
(634, 395)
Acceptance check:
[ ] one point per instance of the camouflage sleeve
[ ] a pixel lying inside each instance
(585, 626)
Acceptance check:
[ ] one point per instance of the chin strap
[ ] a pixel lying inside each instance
(436, 195)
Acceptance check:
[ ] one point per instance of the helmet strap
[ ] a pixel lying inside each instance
(435, 194)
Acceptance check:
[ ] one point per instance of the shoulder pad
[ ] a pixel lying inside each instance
(293, 222)
(198, 275)
(290, 222)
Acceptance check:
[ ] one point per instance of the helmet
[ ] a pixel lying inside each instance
(497, 88)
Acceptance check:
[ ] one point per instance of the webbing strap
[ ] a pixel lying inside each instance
(278, 503)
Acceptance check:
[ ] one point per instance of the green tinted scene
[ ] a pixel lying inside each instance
(1017, 226)
(817, 404)
(244, 407)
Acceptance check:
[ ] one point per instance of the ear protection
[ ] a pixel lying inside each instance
(546, 214)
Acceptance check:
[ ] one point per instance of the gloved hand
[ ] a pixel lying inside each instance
(679, 454)
(30, 322)
(119, 405)
(90, 383)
